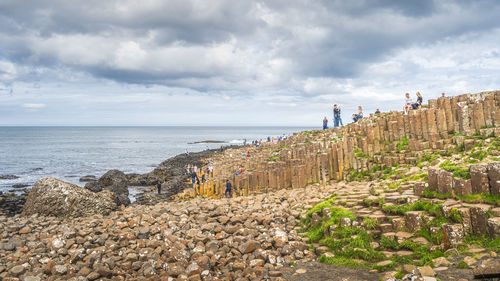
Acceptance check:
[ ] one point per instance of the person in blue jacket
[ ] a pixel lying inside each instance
(228, 189)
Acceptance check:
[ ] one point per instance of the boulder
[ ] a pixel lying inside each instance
(54, 197)
(116, 182)
(93, 186)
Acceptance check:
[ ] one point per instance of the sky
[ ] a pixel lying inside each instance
(232, 62)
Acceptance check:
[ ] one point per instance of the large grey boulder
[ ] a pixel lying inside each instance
(53, 197)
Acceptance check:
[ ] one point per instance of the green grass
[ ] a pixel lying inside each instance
(455, 216)
(435, 194)
(479, 155)
(433, 209)
(457, 171)
(402, 144)
(473, 198)
(481, 198)
(370, 223)
(463, 265)
(483, 241)
(416, 177)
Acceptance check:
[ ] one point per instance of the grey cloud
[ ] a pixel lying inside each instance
(334, 39)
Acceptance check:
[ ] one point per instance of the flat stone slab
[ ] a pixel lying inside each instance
(488, 269)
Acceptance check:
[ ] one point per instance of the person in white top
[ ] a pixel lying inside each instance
(408, 103)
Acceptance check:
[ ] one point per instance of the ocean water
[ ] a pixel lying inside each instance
(69, 153)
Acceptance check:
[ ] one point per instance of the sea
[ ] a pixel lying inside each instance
(68, 153)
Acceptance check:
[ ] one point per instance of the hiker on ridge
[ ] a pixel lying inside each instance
(336, 116)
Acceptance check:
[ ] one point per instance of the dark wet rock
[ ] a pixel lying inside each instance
(8, 177)
(88, 178)
(53, 197)
(142, 180)
(20, 185)
(11, 203)
(116, 182)
(93, 186)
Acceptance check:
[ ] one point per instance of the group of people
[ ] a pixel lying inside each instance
(194, 171)
(409, 104)
(337, 118)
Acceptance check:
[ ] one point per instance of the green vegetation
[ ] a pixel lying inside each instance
(479, 155)
(481, 198)
(463, 265)
(457, 171)
(473, 198)
(435, 194)
(483, 241)
(402, 144)
(455, 216)
(370, 223)
(416, 177)
(433, 209)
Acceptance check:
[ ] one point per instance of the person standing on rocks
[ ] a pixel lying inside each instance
(158, 185)
(336, 116)
(325, 123)
(193, 179)
(228, 189)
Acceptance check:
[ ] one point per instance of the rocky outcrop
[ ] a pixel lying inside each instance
(8, 177)
(115, 181)
(52, 197)
(11, 203)
(88, 178)
(378, 141)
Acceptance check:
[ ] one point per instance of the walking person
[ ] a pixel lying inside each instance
(193, 179)
(336, 116)
(158, 185)
(228, 189)
(325, 123)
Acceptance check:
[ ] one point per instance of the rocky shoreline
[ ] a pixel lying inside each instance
(247, 237)
(171, 172)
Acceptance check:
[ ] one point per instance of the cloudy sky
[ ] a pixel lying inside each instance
(231, 62)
